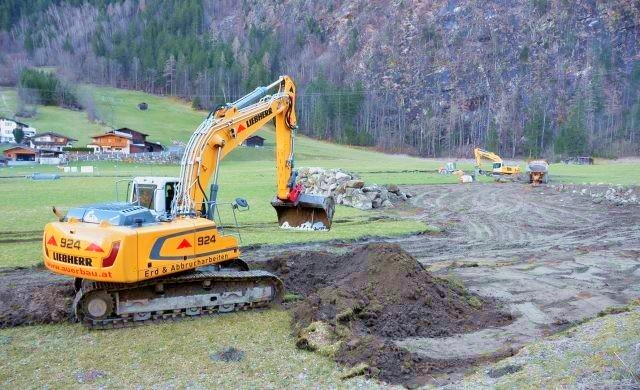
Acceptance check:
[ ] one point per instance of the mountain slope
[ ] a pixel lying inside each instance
(426, 77)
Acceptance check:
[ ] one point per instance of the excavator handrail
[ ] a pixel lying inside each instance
(225, 129)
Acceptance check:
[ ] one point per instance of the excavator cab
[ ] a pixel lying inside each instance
(154, 193)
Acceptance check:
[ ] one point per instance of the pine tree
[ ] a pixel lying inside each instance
(572, 139)
(18, 134)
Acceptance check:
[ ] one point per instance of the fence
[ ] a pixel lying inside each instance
(143, 158)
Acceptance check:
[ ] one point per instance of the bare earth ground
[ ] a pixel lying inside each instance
(552, 259)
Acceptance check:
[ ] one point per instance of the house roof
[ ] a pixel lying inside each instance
(13, 120)
(24, 148)
(110, 134)
(51, 133)
(130, 131)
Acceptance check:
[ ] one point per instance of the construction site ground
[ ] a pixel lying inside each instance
(553, 258)
(550, 259)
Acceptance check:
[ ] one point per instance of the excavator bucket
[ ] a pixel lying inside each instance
(310, 212)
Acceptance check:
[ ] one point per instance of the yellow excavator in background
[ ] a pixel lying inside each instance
(498, 169)
(135, 262)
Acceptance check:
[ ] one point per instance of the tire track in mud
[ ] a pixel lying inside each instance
(497, 218)
(553, 258)
(11, 237)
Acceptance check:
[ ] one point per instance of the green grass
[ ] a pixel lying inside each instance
(247, 172)
(74, 124)
(166, 119)
(603, 172)
(166, 355)
(25, 216)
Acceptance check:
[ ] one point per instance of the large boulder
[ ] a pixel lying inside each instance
(355, 183)
(362, 202)
(392, 188)
(340, 176)
(372, 195)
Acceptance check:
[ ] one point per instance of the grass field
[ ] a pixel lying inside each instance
(172, 355)
(166, 119)
(178, 355)
(25, 216)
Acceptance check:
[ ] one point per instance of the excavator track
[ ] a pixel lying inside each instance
(198, 293)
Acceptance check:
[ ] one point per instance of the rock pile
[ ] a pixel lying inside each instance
(348, 189)
(618, 195)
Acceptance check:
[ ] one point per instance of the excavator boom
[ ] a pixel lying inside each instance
(227, 128)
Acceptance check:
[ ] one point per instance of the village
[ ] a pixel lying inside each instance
(24, 145)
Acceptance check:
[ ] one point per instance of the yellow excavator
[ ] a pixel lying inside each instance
(153, 260)
(498, 168)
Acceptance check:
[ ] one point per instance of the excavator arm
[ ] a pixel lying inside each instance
(498, 166)
(480, 154)
(227, 128)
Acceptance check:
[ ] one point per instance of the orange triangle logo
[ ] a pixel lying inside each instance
(94, 248)
(184, 244)
(241, 129)
(52, 241)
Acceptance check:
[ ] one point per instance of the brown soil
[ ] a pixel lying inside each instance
(372, 296)
(34, 296)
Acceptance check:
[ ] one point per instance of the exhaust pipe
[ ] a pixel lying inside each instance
(309, 212)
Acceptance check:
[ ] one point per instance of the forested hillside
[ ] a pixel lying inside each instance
(530, 78)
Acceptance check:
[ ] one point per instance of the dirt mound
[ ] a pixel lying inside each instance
(357, 303)
(34, 296)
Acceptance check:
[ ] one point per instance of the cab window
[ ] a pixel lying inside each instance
(144, 194)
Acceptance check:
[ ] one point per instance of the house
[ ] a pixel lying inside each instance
(111, 142)
(21, 155)
(125, 141)
(50, 141)
(255, 141)
(8, 125)
(153, 147)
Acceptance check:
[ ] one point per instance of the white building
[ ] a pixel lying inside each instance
(51, 141)
(8, 125)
